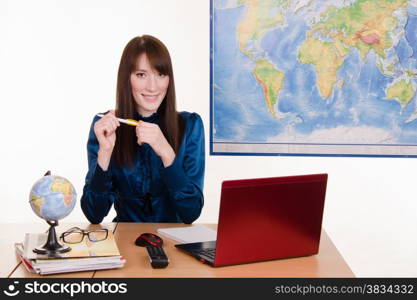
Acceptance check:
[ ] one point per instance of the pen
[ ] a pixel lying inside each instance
(126, 121)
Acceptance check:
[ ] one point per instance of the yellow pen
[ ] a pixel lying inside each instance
(126, 121)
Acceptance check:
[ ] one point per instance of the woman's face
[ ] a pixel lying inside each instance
(149, 87)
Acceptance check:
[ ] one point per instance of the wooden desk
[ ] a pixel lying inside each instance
(328, 263)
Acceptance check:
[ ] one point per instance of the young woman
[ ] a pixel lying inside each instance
(153, 172)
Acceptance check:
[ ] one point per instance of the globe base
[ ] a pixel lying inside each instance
(52, 247)
(57, 250)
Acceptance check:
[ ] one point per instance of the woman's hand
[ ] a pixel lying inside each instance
(151, 134)
(105, 130)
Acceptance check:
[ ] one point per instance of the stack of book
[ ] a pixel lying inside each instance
(84, 256)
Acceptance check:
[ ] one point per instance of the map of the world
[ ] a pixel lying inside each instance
(314, 77)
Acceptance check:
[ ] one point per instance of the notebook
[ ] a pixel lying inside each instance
(192, 234)
(264, 219)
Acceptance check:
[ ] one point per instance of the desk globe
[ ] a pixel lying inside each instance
(52, 198)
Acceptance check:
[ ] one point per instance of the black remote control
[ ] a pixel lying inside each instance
(157, 257)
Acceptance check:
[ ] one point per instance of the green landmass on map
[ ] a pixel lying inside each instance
(326, 59)
(259, 18)
(271, 81)
(401, 91)
(364, 25)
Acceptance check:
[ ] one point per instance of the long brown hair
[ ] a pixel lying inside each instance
(170, 122)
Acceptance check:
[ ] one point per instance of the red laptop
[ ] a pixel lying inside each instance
(264, 219)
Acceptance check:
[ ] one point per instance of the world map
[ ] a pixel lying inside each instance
(313, 77)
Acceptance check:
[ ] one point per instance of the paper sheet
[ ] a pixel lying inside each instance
(192, 234)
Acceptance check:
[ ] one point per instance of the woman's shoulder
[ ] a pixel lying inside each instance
(192, 120)
(193, 127)
(190, 117)
(193, 124)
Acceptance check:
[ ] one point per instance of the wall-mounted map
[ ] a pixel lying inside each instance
(314, 77)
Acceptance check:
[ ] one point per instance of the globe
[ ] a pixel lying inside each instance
(52, 197)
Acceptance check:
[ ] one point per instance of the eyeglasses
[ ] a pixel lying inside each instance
(76, 235)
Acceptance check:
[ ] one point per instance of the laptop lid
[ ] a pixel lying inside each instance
(269, 218)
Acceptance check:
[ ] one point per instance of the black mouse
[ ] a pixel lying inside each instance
(148, 239)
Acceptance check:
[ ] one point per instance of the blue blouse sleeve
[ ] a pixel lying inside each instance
(185, 176)
(98, 195)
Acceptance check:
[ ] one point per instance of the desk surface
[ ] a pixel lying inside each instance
(328, 263)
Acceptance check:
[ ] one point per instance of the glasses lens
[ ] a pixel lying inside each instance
(73, 237)
(96, 236)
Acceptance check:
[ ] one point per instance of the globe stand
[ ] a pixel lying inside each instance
(52, 247)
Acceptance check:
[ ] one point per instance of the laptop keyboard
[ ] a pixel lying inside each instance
(206, 253)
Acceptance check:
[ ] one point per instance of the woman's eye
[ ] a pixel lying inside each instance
(162, 75)
(140, 74)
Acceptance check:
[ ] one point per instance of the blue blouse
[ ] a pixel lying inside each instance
(149, 192)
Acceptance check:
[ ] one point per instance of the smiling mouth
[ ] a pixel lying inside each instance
(150, 97)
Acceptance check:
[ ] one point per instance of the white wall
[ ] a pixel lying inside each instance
(58, 62)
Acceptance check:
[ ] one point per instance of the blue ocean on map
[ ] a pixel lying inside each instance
(358, 99)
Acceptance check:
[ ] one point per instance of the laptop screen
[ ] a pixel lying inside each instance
(269, 218)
